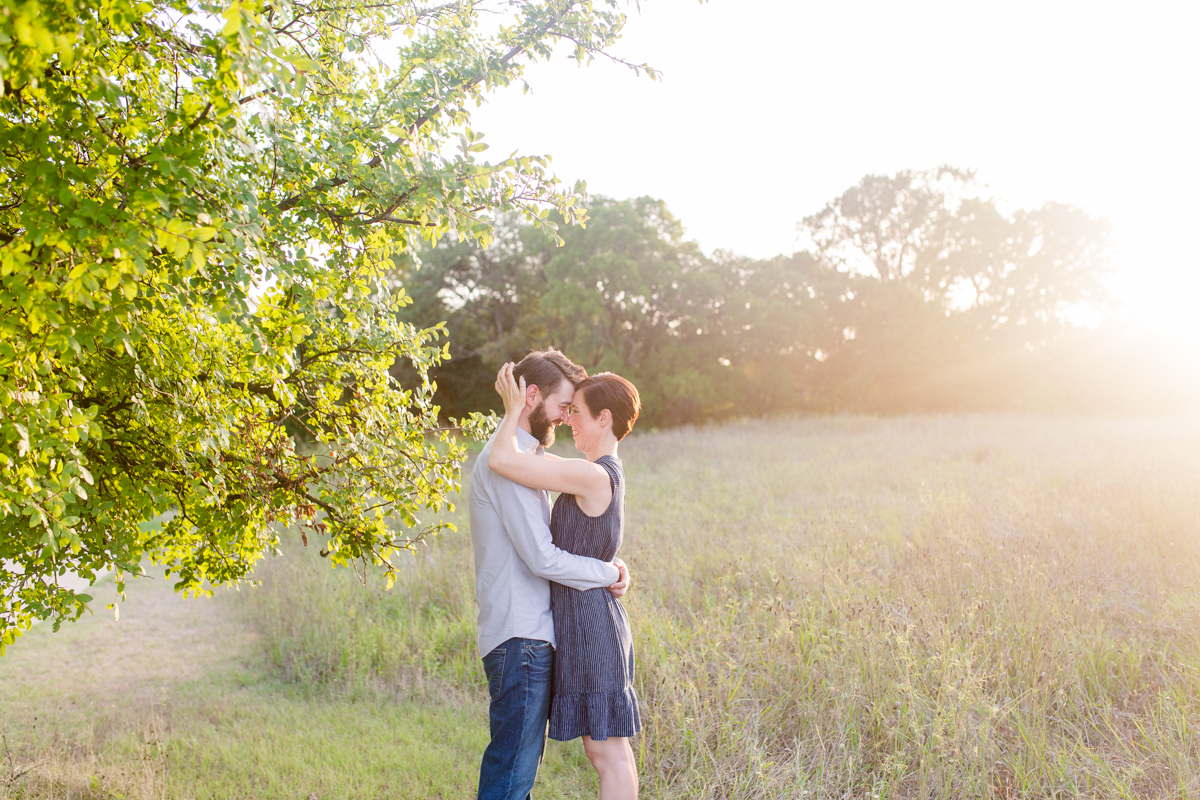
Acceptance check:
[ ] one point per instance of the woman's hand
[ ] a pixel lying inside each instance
(510, 390)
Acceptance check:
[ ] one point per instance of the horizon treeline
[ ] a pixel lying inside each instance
(915, 293)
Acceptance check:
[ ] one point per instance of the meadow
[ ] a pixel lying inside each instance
(996, 606)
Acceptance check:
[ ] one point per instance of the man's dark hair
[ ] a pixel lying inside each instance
(547, 368)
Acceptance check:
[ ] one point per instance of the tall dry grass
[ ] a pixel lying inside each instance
(982, 606)
(340, 629)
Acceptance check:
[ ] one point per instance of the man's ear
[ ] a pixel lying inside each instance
(532, 393)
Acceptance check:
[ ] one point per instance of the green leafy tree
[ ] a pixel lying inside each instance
(199, 205)
(629, 294)
(945, 296)
(701, 337)
(488, 296)
(776, 325)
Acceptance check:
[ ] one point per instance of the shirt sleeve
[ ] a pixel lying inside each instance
(521, 514)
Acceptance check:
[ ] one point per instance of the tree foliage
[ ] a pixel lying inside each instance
(627, 293)
(947, 298)
(934, 234)
(916, 292)
(197, 205)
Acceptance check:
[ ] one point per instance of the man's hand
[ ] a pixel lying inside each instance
(622, 585)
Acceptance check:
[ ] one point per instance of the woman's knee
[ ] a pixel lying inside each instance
(608, 754)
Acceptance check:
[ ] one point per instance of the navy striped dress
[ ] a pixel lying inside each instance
(593, 660)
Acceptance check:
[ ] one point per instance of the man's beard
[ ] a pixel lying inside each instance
(540, 425)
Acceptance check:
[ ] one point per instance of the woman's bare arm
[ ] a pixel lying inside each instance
(575, 476)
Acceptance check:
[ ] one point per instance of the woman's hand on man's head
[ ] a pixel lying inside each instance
(511, 391)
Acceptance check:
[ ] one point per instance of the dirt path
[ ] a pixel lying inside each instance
(159, 640)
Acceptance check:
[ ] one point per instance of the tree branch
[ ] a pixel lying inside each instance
(291, 202)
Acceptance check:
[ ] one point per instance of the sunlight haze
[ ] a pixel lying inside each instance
(766, 110)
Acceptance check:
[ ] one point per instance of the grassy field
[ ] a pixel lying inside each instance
(990, 606)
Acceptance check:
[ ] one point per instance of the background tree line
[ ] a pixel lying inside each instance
(915, 293)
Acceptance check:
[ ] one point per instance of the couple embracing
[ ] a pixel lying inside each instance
(554, 638)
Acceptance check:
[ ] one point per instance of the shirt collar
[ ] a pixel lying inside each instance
(527, 442)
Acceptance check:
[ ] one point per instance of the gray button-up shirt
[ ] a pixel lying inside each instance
(515, 559)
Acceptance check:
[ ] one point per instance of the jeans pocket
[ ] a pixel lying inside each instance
(493, 667)
(539, 658)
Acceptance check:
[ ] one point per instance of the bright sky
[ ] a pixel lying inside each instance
(767, 109)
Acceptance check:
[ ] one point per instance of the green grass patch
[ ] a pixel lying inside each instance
(238, 732)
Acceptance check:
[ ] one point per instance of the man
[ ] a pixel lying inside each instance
(515, 560)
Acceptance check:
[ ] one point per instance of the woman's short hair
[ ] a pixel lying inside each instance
(618, 395)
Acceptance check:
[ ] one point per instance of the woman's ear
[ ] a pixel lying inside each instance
(605, 418)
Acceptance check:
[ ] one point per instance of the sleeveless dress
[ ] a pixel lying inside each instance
(593, 660)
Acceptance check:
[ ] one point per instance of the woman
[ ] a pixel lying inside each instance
(593, 664)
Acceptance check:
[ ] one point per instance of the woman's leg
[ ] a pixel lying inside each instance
(616, 766)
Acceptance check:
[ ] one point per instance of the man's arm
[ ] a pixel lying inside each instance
(521, 514)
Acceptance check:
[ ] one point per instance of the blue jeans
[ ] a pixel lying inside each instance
(520, 673)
